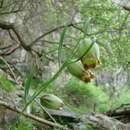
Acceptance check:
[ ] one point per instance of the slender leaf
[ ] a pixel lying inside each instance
(61, 45)
(27, 86)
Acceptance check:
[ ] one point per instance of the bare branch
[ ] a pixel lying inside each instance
(12, 37)
(1, 3)
(26, 47)
(11, 12)
(10, 69)
(6, 25)
(8, 50)
(51, 31)
(31, 116)
(9, 26)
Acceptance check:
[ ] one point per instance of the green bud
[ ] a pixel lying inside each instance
(92, 58)
(51, 101)
(77, 70)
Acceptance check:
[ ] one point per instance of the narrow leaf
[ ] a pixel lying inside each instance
(61, 45)
(27, 86)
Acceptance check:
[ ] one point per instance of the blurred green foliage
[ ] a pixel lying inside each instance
(23, 124)
(122, 99)
(6, 84)
(85, 96)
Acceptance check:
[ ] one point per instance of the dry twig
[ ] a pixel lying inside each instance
(31, 116)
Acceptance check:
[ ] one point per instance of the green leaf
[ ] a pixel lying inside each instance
(2, 64)
(27, 85)
(61, 45)
(6, 84)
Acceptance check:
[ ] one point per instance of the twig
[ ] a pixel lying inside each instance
(31, 116)
(8, 67)
(26, 47)
(121, 106)
(9, 26)
(52, 30)
(1, 4)
(10, 50)
(12, 37)
(10, 12)
(5, 47)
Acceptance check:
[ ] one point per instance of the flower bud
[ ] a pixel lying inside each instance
(51, 101)
(92, 58)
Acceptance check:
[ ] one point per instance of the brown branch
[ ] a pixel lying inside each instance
(4, 51)
(12, 37)
(51, 31)
(26, 47)
(10, 69)
(31, 116)
(122, 110)
(80, 29)
(1, 4)
(63, 26)
(5, 47)
(10, 12)
(9, 26)
(6, 25)
(104, 122)
(10, 50)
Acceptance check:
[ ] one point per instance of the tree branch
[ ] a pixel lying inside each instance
(1, 4)
(31, 116)
(8, 50)
(10, 12)
(52, 30)
(9, 26)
